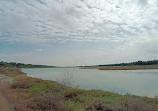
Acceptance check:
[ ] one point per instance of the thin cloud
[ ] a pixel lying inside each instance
(39, 50)
(78, 19)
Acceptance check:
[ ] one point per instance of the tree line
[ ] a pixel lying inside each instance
(152, 62)
(22, 65)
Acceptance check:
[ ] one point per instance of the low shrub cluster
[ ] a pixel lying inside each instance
(47, 102)
(97, 100)
(131, 104)
(44, 95)
(11, 71)
(23, 81)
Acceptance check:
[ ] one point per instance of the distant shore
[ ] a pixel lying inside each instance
(134, 67)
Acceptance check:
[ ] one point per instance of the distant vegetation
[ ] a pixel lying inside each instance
(22, 65)
(137, 63)
(153, 62)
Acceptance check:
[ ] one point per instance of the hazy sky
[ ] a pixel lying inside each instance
(78, 32)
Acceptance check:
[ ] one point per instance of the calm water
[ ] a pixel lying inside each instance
(137, 82)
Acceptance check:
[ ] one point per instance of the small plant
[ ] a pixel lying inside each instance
(66, 78)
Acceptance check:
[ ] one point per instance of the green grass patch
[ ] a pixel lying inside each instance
(38, 89)
(84, 96)
(73, 106)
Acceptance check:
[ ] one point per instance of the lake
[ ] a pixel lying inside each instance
(136, 82)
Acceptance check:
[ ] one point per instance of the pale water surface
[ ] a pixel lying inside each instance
(137, 82)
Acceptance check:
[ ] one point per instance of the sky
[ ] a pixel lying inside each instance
(78, 32)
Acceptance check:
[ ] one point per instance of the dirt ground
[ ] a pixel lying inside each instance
(5, 105)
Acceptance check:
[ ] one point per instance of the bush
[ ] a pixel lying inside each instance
(19, 85)
(47, 102)
(24, 82)
(131, 104)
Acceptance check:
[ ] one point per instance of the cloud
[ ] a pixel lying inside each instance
(75, 20)
(39, 50)
(142, 48)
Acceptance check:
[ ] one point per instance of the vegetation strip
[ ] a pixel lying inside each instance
(139, 65)
(22, 65)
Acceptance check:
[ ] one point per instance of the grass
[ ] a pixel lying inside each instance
(91, 95)
(38, 88)
(73, 106)
(89, 99)
(49, 95)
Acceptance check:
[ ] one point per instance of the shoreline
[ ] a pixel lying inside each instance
(141, 67)
(33, 93)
